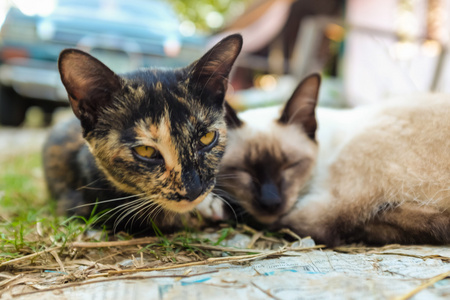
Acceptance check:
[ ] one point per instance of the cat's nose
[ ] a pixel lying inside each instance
(270, 199)
(193, 186)
(194, 192)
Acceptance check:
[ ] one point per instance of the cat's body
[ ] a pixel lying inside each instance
(147, 144)
(381, 174)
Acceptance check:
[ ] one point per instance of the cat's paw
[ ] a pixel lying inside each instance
(212, 208)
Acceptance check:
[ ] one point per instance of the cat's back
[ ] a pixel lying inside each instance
(60, 151)
(68, 129)
(403, 150)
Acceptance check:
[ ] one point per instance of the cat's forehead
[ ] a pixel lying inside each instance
(159, 95)
(265, 139)
(260, 119)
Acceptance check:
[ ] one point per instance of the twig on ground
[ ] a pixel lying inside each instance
(264, 291)
(244, 250)
(255, 237)
(364, 249)
(424, 285)
(8, 281)
(291, 233)
(435, 256)
(58, 260)
(133, 242)
(249, 229)
(30, 256)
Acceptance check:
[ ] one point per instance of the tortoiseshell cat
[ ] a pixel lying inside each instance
(150, 141)
(377, 174)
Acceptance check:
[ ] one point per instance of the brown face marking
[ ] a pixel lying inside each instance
(146, 132)
(167, 146)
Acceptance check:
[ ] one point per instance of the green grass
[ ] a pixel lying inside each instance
(28, 220)
(21, 184)
(22, 202)
(29, 223)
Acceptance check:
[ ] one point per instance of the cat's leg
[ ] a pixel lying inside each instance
(61, 167)
(333, 218)
(408, 223)
(69, 202)
(212, 208)
(333, 222)
(315, 215)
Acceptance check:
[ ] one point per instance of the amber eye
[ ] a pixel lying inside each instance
(145, 151)
(208, 138)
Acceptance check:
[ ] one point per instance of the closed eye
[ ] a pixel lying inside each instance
(294, 164)
(236, 169)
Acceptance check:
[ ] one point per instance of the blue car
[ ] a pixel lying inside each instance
(124, 34)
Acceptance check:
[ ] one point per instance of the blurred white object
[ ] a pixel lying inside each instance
(393, 49)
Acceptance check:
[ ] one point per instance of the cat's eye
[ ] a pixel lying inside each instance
(208, 139)
(146, 152)
(235, 169)
(295, 164)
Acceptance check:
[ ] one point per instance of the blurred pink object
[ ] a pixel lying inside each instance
(258, 25)
(390, 49)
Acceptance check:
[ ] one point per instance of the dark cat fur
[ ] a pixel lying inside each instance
(91, 158)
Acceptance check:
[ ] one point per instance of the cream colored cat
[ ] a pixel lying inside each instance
(377, 174)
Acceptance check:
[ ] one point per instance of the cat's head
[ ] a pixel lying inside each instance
(159, 133)
(271, 154)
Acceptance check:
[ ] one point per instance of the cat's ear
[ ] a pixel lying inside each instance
(210, 72)
(231, 117)
(300, 109)
(89, 84)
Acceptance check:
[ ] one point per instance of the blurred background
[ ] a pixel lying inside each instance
(365, 50)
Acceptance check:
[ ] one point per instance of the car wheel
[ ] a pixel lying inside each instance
(48, 114)
(12, 107)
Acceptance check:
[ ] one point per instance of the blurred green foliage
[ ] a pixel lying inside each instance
(209, 15)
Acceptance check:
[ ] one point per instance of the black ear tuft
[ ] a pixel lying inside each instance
(89, 84)
(300, 109)
(211, 71)
(231, 117)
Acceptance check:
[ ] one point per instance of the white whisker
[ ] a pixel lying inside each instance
(107, 201)
(146, 211)
(119, 208)
(229, 205)
(127, 212)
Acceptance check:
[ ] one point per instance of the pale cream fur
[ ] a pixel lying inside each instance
(375, 158)
(371, 161)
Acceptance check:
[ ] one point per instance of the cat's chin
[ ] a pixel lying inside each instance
(267, 219)
(183, 206)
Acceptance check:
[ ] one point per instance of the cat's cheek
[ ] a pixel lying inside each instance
(294, 180)
(223, 136)
(290, 189)
(240, 187)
